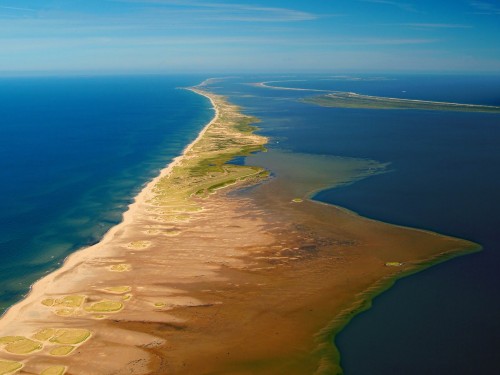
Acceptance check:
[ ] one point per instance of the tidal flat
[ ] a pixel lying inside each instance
(258, 277)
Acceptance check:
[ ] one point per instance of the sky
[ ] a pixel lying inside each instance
(268, 36)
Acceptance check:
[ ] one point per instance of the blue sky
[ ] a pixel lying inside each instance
(219, 36)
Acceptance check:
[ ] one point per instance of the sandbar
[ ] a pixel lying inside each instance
(253, 281)
(354, 100)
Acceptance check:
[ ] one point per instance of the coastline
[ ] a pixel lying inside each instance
(367, 297)
(209, 270)
(83, 254)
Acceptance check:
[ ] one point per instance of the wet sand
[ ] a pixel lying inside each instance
(227, 281)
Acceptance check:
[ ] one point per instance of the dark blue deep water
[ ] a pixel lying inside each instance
(444, 176)
(73, 154)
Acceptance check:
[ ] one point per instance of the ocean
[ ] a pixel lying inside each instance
(73, 154)
(442, 176)
(75, 151)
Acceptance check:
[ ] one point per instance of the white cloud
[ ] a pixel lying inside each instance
(232, 11)
(436, 25)
(403, 6)
(17, 8)
(483, 7)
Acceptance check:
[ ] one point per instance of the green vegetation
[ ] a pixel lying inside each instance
(67, 301)
(352, 100)
(138, 245)
(105, 306)
(54, 370)
(206, 168)
(393, 264)
(70, 336)
(123, 267)
(62, 350)
(44, 334)
(8, 367)
(19, 344)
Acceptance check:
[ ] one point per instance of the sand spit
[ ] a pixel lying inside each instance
(250, 283)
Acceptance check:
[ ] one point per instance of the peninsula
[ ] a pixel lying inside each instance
(204, 277)
(353, 100)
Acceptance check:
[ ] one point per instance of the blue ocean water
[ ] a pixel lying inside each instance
(443, 177)
(73, 154)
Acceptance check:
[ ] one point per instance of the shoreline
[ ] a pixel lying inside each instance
(378, 102)
(210, 270)
(366, 298)
(37, 288)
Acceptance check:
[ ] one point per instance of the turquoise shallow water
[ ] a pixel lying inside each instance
(73, 154)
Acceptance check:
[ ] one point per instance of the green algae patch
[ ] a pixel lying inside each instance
(54, 370)
(393, 264)
(64, 312)
(123, 267)
(62, 350)
(19, 345)
(105, 307)
(48, 302)
(118, 289)
(205, 167)
(9, 367)
(70, 336)
(138, 245)
(44, 334)
(353, 100)
(71, 301)
(9, 339)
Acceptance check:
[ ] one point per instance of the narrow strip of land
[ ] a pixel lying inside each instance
(353, 100)
(202, 278)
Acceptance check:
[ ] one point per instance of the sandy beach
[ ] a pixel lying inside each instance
(202, 278)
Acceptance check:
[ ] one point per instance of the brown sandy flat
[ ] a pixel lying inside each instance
(251, 283)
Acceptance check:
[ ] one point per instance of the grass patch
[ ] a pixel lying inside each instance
(105, 307)
(20, 345)
(124, 267)
(62, 350)
(54, 370)
(44, 334)
(204, 169)
(70, 336)
(8, 367)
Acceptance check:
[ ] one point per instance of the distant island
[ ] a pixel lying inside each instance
(353, 100)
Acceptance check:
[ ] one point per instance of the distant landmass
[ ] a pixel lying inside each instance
(353, 100)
